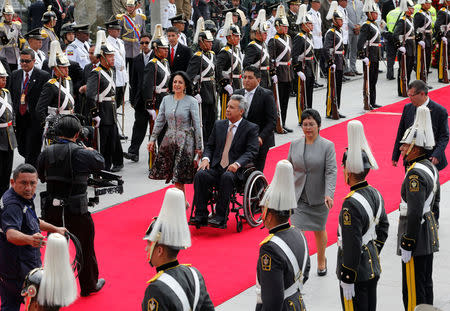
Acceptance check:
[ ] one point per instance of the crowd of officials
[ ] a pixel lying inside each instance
(212, 101)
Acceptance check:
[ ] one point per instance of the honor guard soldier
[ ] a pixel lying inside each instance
(57, 94)
(176, 286)
(49, 21)
(404, 42)
(229, 64)
(8, 140)
(369, 49)
(283, 263)
(424, 28)
(59, 287)
(334, 55)
(133, 24)
(257, 53)
(418, 228)
(238, 19)
(34, 41)
(179, 23)
(363, 226)
(10, 36)
(280, 47)
(442, 35)
(303, 61)
(291, 16)
(78, 50)
(67, 33)
(201, 70)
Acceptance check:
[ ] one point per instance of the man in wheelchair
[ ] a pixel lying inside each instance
(232, 145)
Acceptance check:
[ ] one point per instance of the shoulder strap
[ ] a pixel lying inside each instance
(197, 287)
(177, 289)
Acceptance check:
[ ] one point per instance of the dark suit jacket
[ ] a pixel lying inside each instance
(136, 80)
(35, 12)
(439, 120)
(181, 58)
(244, 146)
(262, 112)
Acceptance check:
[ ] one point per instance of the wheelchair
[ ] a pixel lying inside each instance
(247, 194)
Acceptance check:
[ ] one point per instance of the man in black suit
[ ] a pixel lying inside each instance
(35, 12)
(233, 144)
(179, 54)
(261, 111)
(26, 86)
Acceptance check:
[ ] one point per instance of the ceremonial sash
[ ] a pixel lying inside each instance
(133, 26)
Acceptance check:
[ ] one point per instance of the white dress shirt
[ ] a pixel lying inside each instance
(317, 30)
(119, 60)
(78, 52)
(146, 57)
(249, 97)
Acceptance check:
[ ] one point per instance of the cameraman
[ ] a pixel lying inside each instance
(66, 166)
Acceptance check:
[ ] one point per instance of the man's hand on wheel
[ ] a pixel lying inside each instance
(233, 168)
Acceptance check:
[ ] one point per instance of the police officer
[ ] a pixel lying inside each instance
(175, 287)
(424, 28)
(202, 70)
(10, 36)
(417, 228)
(7, 135)
(78, 50)
(57, 94)
(257, 53)
(283, 263)
(65, 166)
(229, 64)
(49, 20)
(317, 41)
(34, 39)
(363, 226)
(20, 237)
(280, 47)
(369, 48)
(442, 35)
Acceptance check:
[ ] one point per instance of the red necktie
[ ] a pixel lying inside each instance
(59, 5)
(171, 55)
(23, 106)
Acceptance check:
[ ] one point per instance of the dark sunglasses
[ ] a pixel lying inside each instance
(144, 42)
(26, 61)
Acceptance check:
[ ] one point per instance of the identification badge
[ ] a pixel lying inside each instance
(22, 99)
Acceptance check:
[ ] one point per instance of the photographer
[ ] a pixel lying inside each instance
(66, 166)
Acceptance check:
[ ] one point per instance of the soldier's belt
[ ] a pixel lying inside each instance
(237, 76)
(309, 58)
(163, 90)
(283, 63)
(339, 52)
(7, 124)
(129, 39)
(206, 79)
(410, 38)
(427, 31)
(264, 68)
(375, 44)
(54, 110)
(109, 99)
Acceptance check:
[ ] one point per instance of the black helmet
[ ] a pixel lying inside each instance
(48, 16)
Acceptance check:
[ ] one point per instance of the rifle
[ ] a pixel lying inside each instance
(332, 108)
(443, 57)
(96, 140)
(198, 159)
(279, 127)
(366, 90)
(151, 122)
(301, 94)
(403, 85)
(225, 94)
(421, 63)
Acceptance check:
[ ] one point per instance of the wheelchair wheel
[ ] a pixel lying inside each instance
(253, 193)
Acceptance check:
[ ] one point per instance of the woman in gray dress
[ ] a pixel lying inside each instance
(175, 159)
(314, 160)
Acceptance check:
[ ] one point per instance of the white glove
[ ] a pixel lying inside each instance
(402, 49)
(97, 121)
(444, 39)
(366, 61)
(422, 44)
(301, 75)
(333, 66)
(406, 255)
(229, 89)
(198, 98)
(348, 290)
(152, 113)
(275, 79)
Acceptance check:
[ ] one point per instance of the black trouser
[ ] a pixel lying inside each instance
(284, 89)
(6, 161)
(338, 78)
(423, 270)
(223, 180)
(365, 296)
(320, 57)
(29, 138)
(129, 61)
(120, 95)
(141, 119)
(10, 296)
(209, 116)
(410, 60)
(82, 226)
(260, 160)
(391, 52)
(108, 141)
(117, 156)
(373, 79)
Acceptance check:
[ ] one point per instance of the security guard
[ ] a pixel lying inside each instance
(404, 40)
(417, 228)
(257, 53)
(57, 94)
(78, 50)
(7, 135)
(363, 226)
(65, 166)
(369, 48)
(292, 16)
(175, 287)
(49, 20)
(280, 49)
(423, 27)
(202, 70)
(10, 36)
(229, 64)
(442, 35)
(283, 262)
(34, 41)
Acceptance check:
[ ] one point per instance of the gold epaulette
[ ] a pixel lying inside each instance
(186, 264)
(332, 30)
(17, 23)
(253, 42)
(277, 37)
(143, 16)
(367, 22)
(420, 11)
(5, 90)
(52, 81)
(198, 53)
(443, 9)
(411, 167)
(153, 279)
(227, 48)
(44, 34)
(267, 239)
(154, 60)
(68, 78)
(212, 52)
(98, 68)
(404, 17)
(301, 34)
(119, 16)
(349, 195)
(2, 24)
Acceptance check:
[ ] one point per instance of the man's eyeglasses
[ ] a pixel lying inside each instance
(26, 61)
(413, 94)
(144, 42)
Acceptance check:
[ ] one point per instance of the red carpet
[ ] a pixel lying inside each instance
(227, 259)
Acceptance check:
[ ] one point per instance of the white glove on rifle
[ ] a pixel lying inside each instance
(152, 113)
(348, 290)
(333, 67)
(198, 98)
(366, 61)
(422, 44)
(402, 49)
(97, 121)
(275, 79)
(301, 75)
(229, 89)
(406, 255)
(444, 39)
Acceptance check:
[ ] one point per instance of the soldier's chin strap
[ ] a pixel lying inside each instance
(106, 60)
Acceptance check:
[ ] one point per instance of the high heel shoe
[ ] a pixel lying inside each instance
(322, 272)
